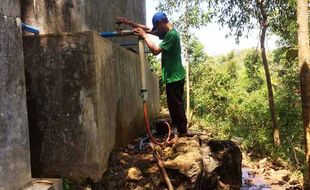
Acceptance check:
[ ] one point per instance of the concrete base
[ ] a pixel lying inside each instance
(83, 98)
(44, 184)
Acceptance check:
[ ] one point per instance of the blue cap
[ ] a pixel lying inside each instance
(159, 16)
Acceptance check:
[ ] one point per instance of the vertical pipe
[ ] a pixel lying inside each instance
(142, 64)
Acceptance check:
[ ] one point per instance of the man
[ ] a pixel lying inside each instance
(173, 72)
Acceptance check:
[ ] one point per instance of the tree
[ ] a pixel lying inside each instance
(284, 25)
(186, 42)
(252, 64)
(197, 57)
(196, 52)
(188, 14)
(304, 72)
(239, 16)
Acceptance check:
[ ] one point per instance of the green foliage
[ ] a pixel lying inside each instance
(196, 51)
(242, 16)
(197, 15)
(210, 88)
(67, 184)
(186, 14)
(230, 99)
(155, 66)
(288, 100)
(253, 66)
(284, 23)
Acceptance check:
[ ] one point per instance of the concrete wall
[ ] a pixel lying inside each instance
(83, 98)
(14, 139)
(126, 74)
(52, 16)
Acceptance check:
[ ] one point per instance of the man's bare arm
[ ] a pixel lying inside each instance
(132, 24)
(154, 48)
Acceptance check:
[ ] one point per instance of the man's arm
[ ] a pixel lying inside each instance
(132, 24)
(154, 49)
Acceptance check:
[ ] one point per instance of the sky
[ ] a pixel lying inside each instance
(213, 36)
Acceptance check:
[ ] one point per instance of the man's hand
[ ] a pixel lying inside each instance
(140, 32)
(154, 49)
(124, 20)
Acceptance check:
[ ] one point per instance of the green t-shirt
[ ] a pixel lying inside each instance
(172, 68)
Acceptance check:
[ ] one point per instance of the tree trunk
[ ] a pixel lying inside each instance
(186, 31)
(187, 88)
(276, 132)
(304, 73)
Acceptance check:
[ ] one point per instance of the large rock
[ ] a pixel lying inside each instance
(83, 98)
(185, 157)
(44, 184)
(14, 137)
(199, 163)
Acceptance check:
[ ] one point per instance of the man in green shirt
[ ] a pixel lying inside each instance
(173, 72)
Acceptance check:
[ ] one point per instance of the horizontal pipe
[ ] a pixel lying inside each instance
(129, 44)
(31, 29)
(116, 33)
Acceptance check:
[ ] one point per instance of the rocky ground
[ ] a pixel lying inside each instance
(134, 169)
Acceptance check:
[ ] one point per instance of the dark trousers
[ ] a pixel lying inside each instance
(175, 91)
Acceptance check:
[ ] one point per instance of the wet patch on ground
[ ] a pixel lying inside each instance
(264, 175)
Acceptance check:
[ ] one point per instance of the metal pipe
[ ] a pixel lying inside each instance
(119, 33)
(116, 33)
(129, 44)
(143, 91)
(29, 28)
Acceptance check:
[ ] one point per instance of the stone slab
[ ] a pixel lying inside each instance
(44, 184)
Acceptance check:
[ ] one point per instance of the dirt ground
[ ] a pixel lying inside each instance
(134, 169)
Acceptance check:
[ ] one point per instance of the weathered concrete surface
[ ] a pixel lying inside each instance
(14, 138)
(80, 15)
(83, 98)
